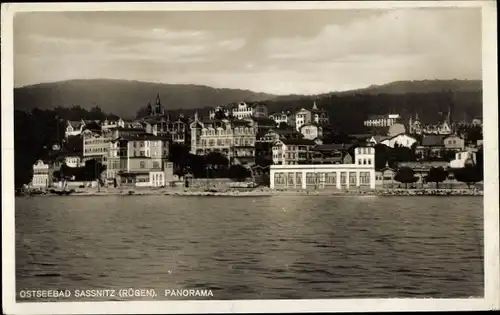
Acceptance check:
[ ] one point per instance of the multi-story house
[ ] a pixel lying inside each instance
(290, 151)
(74, 128)
(235, 138)
(401, 140)
(454, 143)
(242, 111)
(445, 127)
(432, 146)
(319, 115)
(283, 117)
(302, 117)
(464, 158)
(382, 120)
(110, 124)
(42, 175)
(274, 135)
(219, 109)
(140, 160)
(96, 144)
(311, 131)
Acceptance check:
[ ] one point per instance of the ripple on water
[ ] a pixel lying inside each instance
(320, 247)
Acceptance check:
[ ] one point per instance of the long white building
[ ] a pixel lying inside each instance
(360, 174)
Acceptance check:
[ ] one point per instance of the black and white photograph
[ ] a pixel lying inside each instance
(249, 157)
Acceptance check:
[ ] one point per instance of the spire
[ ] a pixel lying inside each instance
(314, 106)
(150, 108)
(158, 99)
(196, 116)
(416, 117)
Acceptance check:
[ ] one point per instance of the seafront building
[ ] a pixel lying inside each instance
(42, 175)
(360, 174)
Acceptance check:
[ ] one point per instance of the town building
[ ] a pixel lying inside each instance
(415, 126)
(306, 116)
(283, 117)
(139, 160)
(74, 128)
(42, 175)
(235, 138)
(400, 140)
(320, 176)
(311, 131)
(243, 110)
(463, 159)
(385, 177)
(382, 120)
(110, 124)
(219, 109)
(454, 143)
(432, 146)
(292, 151)
(330, 154)
(302, 117)
(274, 135)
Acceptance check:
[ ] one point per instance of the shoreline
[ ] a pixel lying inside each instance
(263, 192)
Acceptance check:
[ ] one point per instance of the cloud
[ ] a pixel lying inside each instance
(321, 51)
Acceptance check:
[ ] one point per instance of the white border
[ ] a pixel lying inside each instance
(491, 213)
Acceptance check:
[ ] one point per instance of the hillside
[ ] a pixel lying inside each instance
(123, 97)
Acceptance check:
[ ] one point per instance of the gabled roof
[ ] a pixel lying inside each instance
(330, 147)
(75, 124)
(432, 140)
(298, 142)
(378, 139)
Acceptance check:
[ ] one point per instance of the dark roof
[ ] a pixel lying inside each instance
(129, 129)
(264, 120)
(360, 136)
(424, 164)
(432, 140)
(145, 136)
(298, 142)
(330, 147)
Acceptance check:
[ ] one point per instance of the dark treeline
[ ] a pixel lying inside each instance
(37, 131)
(348, 112)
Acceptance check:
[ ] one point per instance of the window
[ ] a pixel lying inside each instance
(142, 164)
(364, 161)
(156, 164)
(352, 178)
(369, 161)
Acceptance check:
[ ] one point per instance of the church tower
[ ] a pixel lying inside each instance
(159, 110)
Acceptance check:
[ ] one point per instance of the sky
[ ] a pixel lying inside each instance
(274, 51)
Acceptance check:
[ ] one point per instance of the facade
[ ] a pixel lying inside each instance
(319, 176)
(291, 151)
(235, 139)
(328, 154)
(243, 111)
(302, 117)
(382, 120)
(384, 177)
(74, 128)
(42, 175)
(311, 131)
(401, 140)
(96, 143)
(319, 116)
(454, 142)
(274, 135)
(431, 146)
(73, 160)
(463, 159)
(140, 160)
(110, 124)
(219, 109)
(415, 126)
(283, 117)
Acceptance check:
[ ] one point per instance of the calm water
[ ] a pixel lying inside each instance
(253, 248)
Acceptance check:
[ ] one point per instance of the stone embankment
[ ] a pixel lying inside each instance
(266, 191)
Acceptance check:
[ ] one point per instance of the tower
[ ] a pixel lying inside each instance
(410, 125)
(158, 106)
(150, 109)
(314, 106)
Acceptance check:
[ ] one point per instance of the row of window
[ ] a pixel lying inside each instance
(364, 162)
(328, 178)
(96, 150)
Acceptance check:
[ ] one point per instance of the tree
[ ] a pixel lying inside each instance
(468, 175)
(178, 154)
(381, 156)
(283, 125)
(436, 175)
(219, 114)
(239, 173)
(405, 175)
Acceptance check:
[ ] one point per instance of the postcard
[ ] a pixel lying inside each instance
(249, 157)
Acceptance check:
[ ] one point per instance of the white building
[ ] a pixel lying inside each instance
(73, 161)
(360, 174)
(74, 128)
(311, 131)
(382, 120)
(42, 175)
(302, 117)
(401, 140)
(283, 117)
(110, 124)
(244, 111)
(463, 159)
